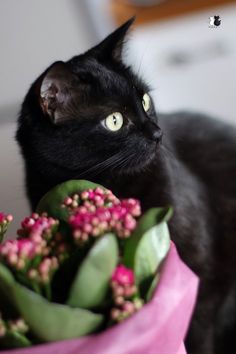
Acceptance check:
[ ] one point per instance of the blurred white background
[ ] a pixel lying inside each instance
(33, 34)
(190, 65)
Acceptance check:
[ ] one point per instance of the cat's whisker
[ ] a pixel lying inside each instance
(106, 166)
(119, 161)
(102, 165)
(166, 151)
(112, 162)
(124, 160)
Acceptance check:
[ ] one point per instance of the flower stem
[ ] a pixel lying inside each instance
(48, 291)
(2, 232)
(36, 287)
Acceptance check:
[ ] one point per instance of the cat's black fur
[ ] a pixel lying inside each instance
(192, 167)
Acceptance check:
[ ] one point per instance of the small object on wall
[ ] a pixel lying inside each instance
(157, 10)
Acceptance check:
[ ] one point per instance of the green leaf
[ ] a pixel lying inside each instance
(6, 278)
(48, 321)
(148, 246)
(91, 283)
(150, 219)
(7, 310)
(152, 249)
(52, 201)
(64, 276)
(152, 287)
(14, 339)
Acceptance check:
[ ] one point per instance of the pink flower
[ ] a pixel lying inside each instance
(5, 218)
(4, 223)
(123, 275)
(129, 307)
(2, 217)
(90, 199)
(124, 294)
(26, 248)
(37, 226)
(46, 268)
(98, 211)
(18, 249)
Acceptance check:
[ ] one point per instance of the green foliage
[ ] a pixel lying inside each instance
(47, 321)
(52, 201)
(147, 247)
(14, 339)
(91, 282)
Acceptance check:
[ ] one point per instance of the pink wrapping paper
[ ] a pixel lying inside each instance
(182, 349)
(158, 328)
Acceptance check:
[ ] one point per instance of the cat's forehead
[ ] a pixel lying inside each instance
(105, 77)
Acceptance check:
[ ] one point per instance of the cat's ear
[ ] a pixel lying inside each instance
(54, 91)
(111, 46)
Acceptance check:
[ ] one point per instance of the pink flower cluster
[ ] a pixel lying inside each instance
(5, 220)
(37, 225)
(44, 228)
(44, 271)
(124, 293)
(34, 256)
(16, 325)
(123, 276)
(95, 212)
(18, 253)
(21, 255)
(91, 199)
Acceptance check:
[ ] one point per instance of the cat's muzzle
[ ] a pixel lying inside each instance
(152, 131)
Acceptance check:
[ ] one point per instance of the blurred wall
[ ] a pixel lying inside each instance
(33, 34)
(190, 65)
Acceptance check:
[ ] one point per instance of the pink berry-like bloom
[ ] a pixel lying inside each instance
(39, 250)
(4, 223)
(5, 218)
(26, 248)
(21, 254)
(90, 199)
(123, 275)
(124, 294)
(37, 225)
(95, 212)
(19, 249)
(2, 217)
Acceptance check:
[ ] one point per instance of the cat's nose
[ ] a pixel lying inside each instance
(152, 131)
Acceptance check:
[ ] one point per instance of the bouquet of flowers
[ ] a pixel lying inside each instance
(86, 263)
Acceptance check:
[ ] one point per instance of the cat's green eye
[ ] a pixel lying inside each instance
(114, 121)
(146, 101)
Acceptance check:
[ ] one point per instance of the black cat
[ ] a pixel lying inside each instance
(217, 20)
(93, 118)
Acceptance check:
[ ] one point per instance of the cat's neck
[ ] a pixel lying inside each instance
(146, 185)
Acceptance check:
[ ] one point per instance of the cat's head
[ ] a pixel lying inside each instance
(89, 115)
